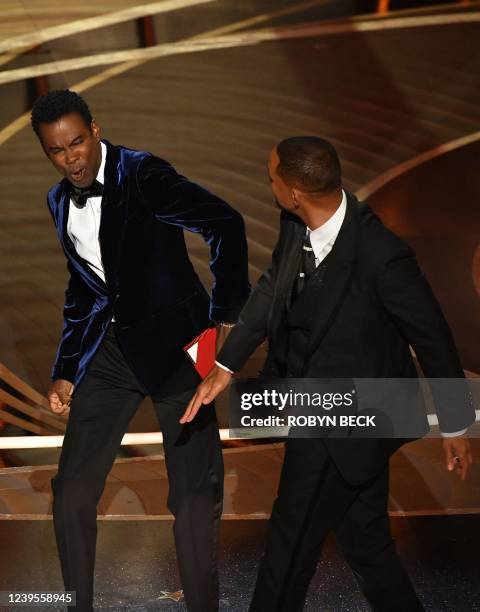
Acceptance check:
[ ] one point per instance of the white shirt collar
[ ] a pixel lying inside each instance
(101, 170)
(327, 233)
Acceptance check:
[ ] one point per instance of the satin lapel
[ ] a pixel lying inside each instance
(63, 209)
(287, 270)
(338, 276)
(290, 268)
(114, 211)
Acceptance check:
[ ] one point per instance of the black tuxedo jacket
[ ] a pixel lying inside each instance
(151, 288)
(373, 303)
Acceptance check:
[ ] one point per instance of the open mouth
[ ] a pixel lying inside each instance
(78, 175)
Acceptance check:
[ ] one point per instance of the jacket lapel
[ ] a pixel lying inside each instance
(287, 271)
(114, 211)
(61, 217)
(330, 295)
(292, 264)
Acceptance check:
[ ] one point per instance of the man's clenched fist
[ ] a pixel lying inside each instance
(59, 396)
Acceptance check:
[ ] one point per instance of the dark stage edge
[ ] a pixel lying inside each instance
(136, 561)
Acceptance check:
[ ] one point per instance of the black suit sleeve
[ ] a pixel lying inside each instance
(251, 328)
(409, 300)
(178, 201)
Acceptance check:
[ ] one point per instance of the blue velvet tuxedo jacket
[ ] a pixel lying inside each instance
(150, 287)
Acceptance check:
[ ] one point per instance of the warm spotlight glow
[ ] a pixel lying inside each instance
(383, 6)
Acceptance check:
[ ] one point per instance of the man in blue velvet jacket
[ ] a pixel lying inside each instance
(133, 302)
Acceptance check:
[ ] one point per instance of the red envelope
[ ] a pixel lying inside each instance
(202, 351)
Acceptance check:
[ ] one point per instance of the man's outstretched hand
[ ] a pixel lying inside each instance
(59, 396)
(214, 383)
(458, 455)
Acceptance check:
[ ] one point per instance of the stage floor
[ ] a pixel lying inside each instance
(136, 566)
(435, 520)
(137, 488)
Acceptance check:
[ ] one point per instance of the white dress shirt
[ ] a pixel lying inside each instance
(84, 224)
(323, 238)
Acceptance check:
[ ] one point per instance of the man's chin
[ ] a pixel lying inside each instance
(82, 184)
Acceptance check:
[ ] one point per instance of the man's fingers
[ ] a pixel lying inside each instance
(465, 462)
(451, 463)
(207, 391)
(60, 409)
(450, 459)
(55, 403)
(191, 411)
(187, 411)
(60, 397)
(192, 408)
(209, 394)
(204, 395)
(65, 398)
(459, 457)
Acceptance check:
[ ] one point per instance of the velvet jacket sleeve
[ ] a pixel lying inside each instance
(76, 315)
(178, 201)
(408, 298)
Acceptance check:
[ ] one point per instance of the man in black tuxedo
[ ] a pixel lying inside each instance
(343, 298)
(133, 302)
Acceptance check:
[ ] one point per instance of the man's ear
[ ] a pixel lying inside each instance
(295, 198)
(95, 129)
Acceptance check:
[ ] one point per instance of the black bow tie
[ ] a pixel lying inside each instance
(80, 195)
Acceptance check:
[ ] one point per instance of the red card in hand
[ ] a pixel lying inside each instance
(202, 351)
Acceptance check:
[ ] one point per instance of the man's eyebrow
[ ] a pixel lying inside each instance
(59, 147)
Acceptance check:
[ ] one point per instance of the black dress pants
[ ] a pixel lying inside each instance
(314, 499)
(101, 410)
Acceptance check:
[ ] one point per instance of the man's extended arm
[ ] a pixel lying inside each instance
(245, 337)
(409, 300)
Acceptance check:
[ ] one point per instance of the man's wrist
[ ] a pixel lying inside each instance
(223, 367)
(454, 434)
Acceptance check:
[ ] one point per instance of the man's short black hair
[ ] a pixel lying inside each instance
(309, 163)
(56, 104)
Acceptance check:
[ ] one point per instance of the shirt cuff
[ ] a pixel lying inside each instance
(220, 365)
(453, 434)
